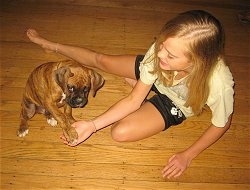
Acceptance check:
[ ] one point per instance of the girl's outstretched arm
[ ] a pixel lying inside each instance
(179, 162)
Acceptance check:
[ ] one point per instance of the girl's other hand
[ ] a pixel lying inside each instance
(177, 164)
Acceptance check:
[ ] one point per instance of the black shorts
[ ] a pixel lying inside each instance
(171, 113)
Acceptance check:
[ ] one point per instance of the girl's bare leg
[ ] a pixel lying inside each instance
(135, 127)
(121, 65)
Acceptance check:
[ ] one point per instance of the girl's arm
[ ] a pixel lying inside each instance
(124, 107)
(179, 162)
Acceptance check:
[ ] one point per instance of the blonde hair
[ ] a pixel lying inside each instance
(205, 42)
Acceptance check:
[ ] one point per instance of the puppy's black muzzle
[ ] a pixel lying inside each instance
(78, 97)
(78, 102)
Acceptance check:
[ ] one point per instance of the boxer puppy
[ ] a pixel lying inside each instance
(55, 85)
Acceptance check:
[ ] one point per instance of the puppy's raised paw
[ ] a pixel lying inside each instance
(72, 136)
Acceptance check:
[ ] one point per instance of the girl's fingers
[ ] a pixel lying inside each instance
(174, 173)
(168, 170)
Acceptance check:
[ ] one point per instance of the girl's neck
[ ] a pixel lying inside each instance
(180, 75)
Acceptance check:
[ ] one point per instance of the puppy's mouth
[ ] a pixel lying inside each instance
(77, 102)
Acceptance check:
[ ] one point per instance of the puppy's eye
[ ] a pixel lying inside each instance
(71, 88)
(86, 89)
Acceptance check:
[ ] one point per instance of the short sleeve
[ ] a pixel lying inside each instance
(221, 97)
(147, 66)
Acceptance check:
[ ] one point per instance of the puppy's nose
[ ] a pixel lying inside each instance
(77, 100)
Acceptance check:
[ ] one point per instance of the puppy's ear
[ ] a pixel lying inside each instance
(97, 81)
(61, 77)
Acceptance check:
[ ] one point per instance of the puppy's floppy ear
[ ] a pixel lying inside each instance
(61, 77)
(97, 81)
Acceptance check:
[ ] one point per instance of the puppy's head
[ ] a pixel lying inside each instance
(76, 83)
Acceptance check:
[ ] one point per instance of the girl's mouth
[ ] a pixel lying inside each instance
(163, 64)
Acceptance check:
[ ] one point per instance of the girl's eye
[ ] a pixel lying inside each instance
(170, 57)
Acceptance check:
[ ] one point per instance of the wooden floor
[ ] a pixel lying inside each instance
(41, 161)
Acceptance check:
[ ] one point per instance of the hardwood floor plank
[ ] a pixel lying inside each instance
(18, 182)
(120, 171)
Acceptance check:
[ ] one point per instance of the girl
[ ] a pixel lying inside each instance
(185, 69)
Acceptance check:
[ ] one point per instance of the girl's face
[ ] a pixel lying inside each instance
(172, 55)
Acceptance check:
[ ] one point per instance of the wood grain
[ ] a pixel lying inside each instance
(41, 161)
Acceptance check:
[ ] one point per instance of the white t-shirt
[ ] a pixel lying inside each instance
(220, 99)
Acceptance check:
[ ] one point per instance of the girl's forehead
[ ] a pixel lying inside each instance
(175, 44)
(175, 41)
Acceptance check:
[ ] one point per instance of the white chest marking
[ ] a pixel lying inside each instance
(63, 98)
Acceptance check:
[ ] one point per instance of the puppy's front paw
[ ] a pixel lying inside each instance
(51, 121)
(22, 132)
(72, 136)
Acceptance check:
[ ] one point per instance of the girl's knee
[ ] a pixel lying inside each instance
(98, 61)
(103, 62)
(119, 132)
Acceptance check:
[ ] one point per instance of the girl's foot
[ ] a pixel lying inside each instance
(48, 46)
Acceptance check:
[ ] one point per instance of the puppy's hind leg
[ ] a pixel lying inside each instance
(50, 120)
(28, 111)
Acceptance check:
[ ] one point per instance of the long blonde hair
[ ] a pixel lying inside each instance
(205, 42)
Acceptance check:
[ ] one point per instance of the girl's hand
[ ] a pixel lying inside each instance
(177, 164)
(84, 129)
